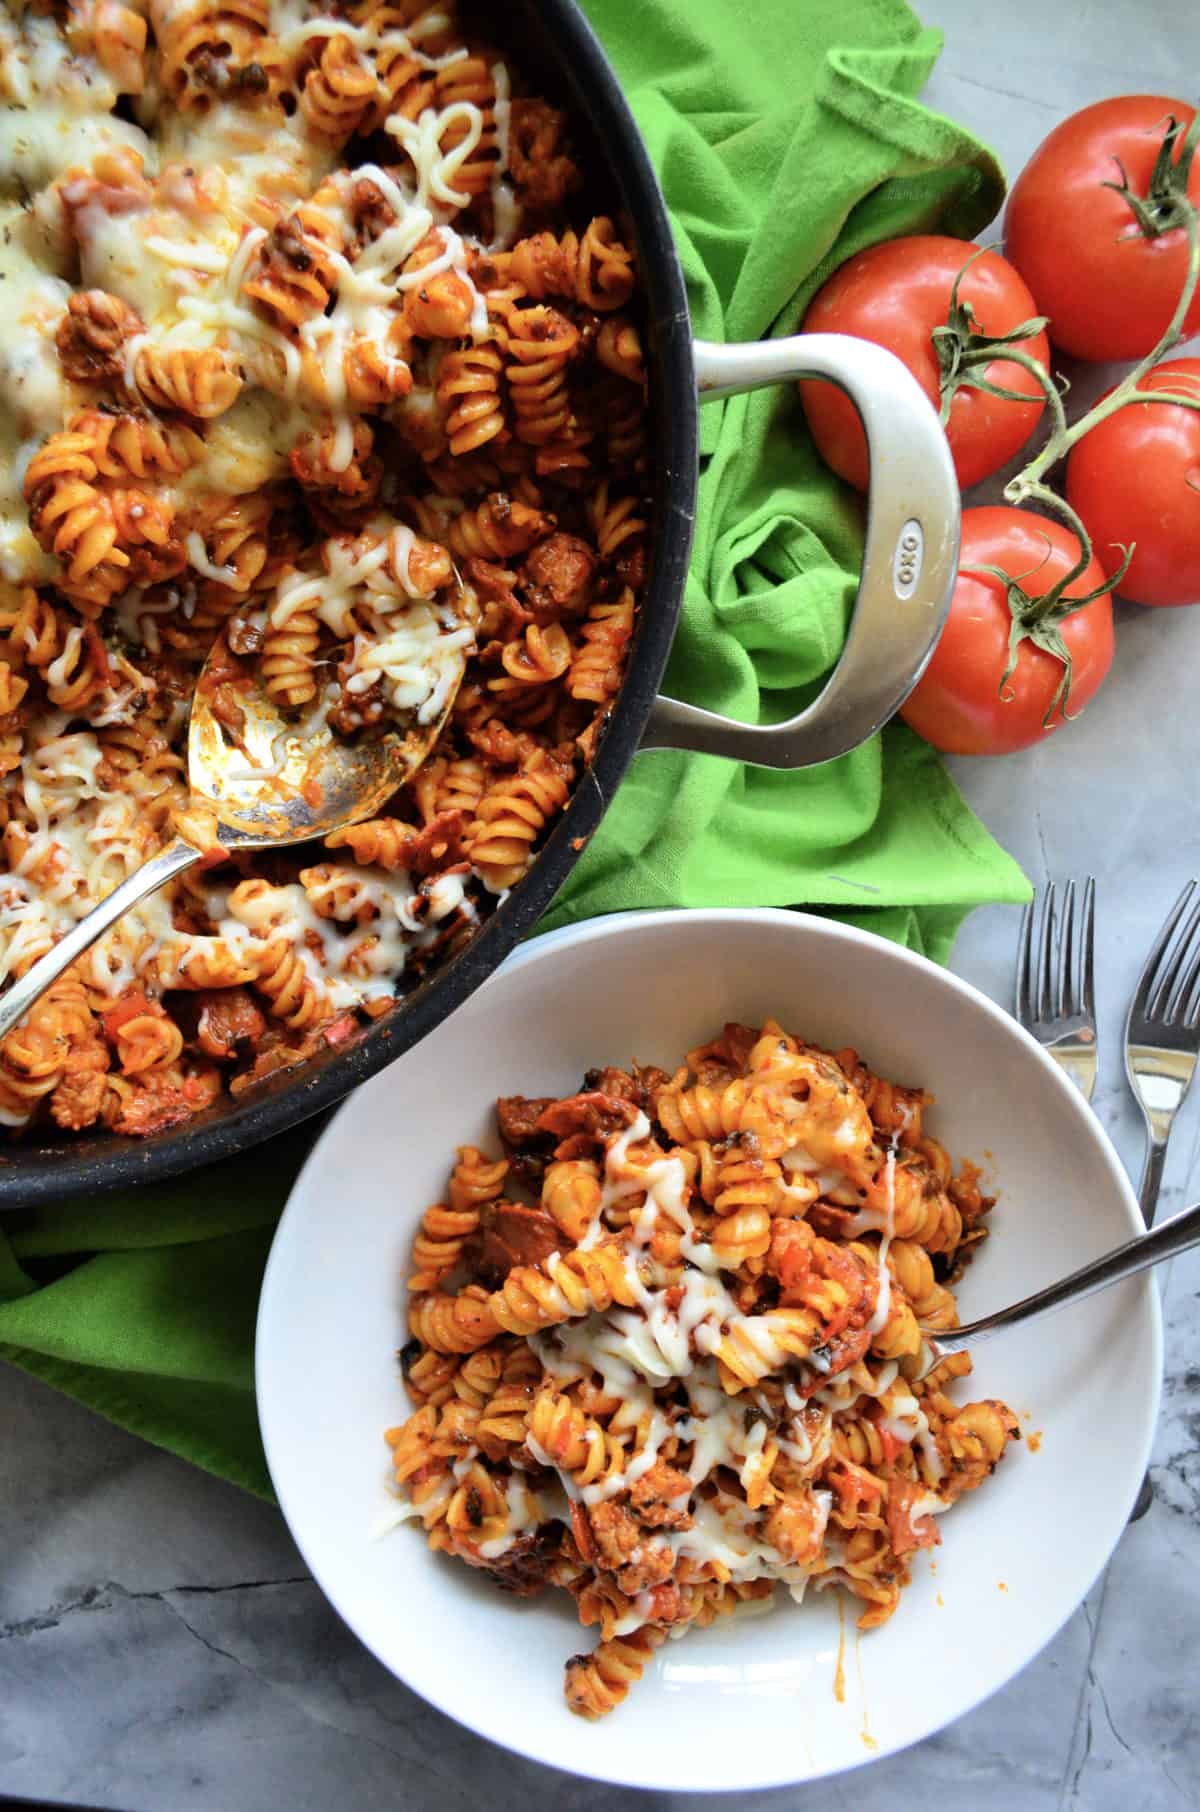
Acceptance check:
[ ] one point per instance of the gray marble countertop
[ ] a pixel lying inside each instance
(162, 1648)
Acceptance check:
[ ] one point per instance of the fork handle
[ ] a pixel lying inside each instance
(1152, 1175)
(1176, 1235)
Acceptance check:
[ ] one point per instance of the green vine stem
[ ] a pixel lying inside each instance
(1129, 390)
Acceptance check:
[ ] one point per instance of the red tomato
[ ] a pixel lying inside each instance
(1108, 290)
(1136, 478)
(957, 703)
(131, 1005)
(896, 294)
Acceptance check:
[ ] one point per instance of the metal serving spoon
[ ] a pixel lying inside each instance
(1167, 1240)
(259, 783)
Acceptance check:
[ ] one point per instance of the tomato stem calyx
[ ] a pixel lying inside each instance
(964, 351)
(1039, 619)
(1166, 204)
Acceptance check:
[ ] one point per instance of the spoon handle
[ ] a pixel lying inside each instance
(28, 988)
(1138, 1254)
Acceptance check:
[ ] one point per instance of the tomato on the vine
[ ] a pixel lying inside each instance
(1109, 286)
(963, 703)
(1135, 480)
(900, 295)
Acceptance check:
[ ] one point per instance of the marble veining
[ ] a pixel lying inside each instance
(162, 1648)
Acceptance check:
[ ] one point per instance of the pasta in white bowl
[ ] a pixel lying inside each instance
(761, 1700)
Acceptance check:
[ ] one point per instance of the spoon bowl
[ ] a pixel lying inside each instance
(269, 780)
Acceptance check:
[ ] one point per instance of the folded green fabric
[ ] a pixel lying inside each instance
(786, 138)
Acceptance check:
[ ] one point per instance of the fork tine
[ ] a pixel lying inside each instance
(1065, 996)
(1182, 1007)
(1045, 958)
(1185, 966)
(1025, 1002)
(1087, 941)
(1173, 959)
(1150, 970)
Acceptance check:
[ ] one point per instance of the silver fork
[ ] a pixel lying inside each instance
(1162, 1036)
(1056, 999)
(1056, 1002)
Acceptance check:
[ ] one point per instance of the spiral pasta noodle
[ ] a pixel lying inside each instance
(497, 529)
(294, 275)
(619, 348)
(288, 661)
(598, 1682)
(468, 391)
(457, 787)
(439, 1245)
(540, 342)
(202, 382)
(581, 1283)
(338, 93)
(475, 1178)
(533, 659)
(290, 992)
(469, 83)
(595, 269)
(123, 445)
(70, 515)
(504, 1413)
(511, 816)
(203, 46)
(598, 662)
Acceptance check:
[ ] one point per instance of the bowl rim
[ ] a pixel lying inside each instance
(615, 925)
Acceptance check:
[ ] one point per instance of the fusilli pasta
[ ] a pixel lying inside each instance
(676, 1370)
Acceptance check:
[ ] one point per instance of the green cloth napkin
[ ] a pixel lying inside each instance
(786, 138)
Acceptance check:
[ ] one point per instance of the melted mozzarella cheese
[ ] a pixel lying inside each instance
(84, 842)
(437, 169)
(883, 1304)
(256, 160)
(670, 1338)
(906, 1421)
(296, 23)
(55, 108)
(34, 395)
(347, 967)
(248, 446)
(506, 210)
(33, 302)
(419, 659)
(724, 1535)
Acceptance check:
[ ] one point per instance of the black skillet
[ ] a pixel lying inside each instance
(908, 571)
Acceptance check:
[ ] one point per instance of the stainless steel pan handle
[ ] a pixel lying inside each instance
(909, 560)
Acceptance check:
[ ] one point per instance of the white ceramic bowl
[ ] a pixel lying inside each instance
(745, 1704)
